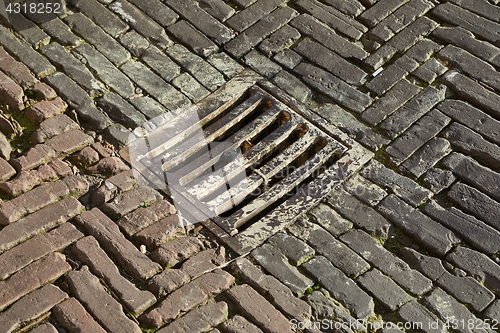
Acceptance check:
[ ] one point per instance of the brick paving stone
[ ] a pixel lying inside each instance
(364, 190)
(248, 39)
(6, 170)
(16, 70)
(204, 261)
(478, 25)
(27, 29)
(244, 3)
(277, 264)
(337, 89)
(171, 253)
(187, 297)
(119, 110)
(402, 92)
(114, 185)
(423, 50)
(465, 40)
(333, 18)
(247, 17)
(293, 248)
(190, 87)
(134, 42)
(420, 316)
(202, 21)
(90, 253)
(44, 195)
(411, 280)
(72, 316)
(85, 157)
(131, 200)
(103, 42)
(24, 181)
(336, 65)
(169, 280)
(194, 39)
(469, 142)
(45, 328)
(384, 289)
(142, 23)
(101, 16)
(419, 105)
(283, 38)
(474, 174)
(103, 307)
(258, 309)
(38, 222)
(429, 71)
(157, 11)
(148, 106)
(328, 218)
(347, 7)
(470, 65)
(437, 179)
(398, 20)
(11, 93)
(402, 186)
(426, 157)
(145, 216)
(5, 148)
(414, 32)
(387, 79)
(105, 70)
(225, 64)
(25, 54)
(480, 235)
(416, 136)
(325, 244)
(493, 311)
(45, 109)
(154, 85)
(261, 64)
(160, 232)
(361, 215)
(217, 8)
(51, 127)
(310, 26)
(36, 248)
(112, 240)
(465, 289)
(53, 26)
(482, 8)
(31, 307)
(379, 11)
(477, 265)
(341, 287)
(476, 203)
(32, 277)
(160, 63)
(471, 117)
(199, 320)
(431, 234)
(239, 324)
(292, 85)
(108, 166)
(35, 156)
(280, 295)
(69, 142)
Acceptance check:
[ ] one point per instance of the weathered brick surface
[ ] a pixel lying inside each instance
(11, 92)
(200, 44)
(199, 320)
(426, 157)
(177, 250)
(53, 126)
(165, 229)
(6, 170)
(72, 316)
(261, 64)
(145, 216)
(190, 87)
(16, 70)
(417, 313)
(239, 324)
(326, 217)
(130, 200)
(102, 16)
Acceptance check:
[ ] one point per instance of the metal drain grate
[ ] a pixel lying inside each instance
(246, 161)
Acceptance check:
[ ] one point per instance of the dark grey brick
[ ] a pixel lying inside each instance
(426, 231)
(472, 117)
(218, 9)
(190, 87)
(202, 21)
(379, 11)
(421, 317)
(293, 86)
(160, 63)
(25, 53)
(103, 42)
(483, 8)
(277, 264)
(194, 39)
(335, 64)
(119, 110)
(411, 280)
(406, 115)
(474, 174)
(329, 219)
(153, 32)
(134, 42)
(493, 311)
(426, 157)
(361, 215)
(248, 39)
(279, 40)
(197, 67)
(244, 3)
(364, 190)
(438, 179)
(105, 70)
(350, 8)
(118, 135)
(294, 249)
(157, 11)
(249, 16)
(310, 26)
(402, 186)
(341, 287)
(288, 58)
(225, 64)
(429, 71)
(416, 136)
(333, 18)
(261, 64)
(390, 102)
(53, 26)
(148, 106)
(477, 233)
(423, 50)
(154, 85)
(101, 16)
(73, 68)
(330, 85)
(387, 79)
(384, 289)
(478, 25)
(24, 27)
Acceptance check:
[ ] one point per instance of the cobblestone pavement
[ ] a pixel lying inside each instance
(412, 238)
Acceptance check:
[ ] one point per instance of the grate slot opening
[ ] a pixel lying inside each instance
(282, 118)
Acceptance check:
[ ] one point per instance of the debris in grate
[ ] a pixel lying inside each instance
(243, 162)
